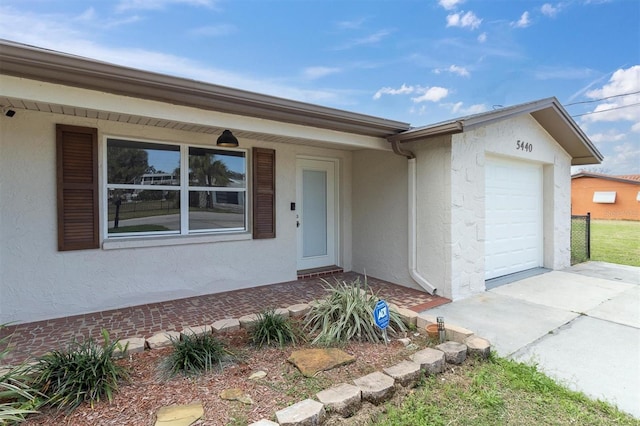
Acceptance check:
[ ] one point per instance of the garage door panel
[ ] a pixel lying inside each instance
(513, 238)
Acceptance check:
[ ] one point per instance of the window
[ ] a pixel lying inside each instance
(164, 189)
(604, 197)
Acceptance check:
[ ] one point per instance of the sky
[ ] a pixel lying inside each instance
(415, 61)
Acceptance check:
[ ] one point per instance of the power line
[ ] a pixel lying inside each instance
(602, 99)
(606, 110)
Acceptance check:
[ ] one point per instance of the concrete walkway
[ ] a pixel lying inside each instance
(581, 326)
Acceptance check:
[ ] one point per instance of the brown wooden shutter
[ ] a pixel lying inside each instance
(77, 181)
(264, 193)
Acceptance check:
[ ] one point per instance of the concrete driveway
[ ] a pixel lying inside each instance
(581, 326)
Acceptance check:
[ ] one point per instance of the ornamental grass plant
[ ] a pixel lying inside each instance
(86, 371)
(347, 314)
(194, 354)
(17, 397)
(273, 329)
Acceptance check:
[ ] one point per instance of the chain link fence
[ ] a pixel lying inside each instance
(580, 238)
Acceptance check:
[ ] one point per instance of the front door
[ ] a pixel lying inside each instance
(316, 211)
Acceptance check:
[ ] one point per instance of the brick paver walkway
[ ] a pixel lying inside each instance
(36, 338)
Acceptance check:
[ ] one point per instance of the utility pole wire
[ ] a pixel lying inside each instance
(602, 99)
(605, 110)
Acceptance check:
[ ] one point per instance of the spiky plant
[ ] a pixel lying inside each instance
(194, 354)
(85, 371)
(347, 314)
(274, 329)
(17, 397)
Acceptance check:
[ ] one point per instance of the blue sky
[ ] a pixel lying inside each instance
(418, 61)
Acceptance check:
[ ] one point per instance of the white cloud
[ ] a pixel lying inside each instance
(453, 69)
(482, 37)
(523, 22)
(619, 108)
(636, 127)
(403, 90)
(624, 159)
(450, 4)
(549, 10)
(213, 30)
(125, 5)
(350, 25)
(431, 94)
(466, 20)
(459, 109)
(313, 73)
(609, 136)
(370, 39)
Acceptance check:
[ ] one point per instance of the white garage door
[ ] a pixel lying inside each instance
(513, 234)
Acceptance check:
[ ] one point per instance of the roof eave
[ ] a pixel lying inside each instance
(44, 65)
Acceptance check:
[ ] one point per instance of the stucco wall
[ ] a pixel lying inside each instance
(380, 238)
(469, 151)
(38, 282)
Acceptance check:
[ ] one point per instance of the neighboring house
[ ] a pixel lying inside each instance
(442, 207)
(605, 196)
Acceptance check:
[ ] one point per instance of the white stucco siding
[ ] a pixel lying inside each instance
(469, 150)
(380, 233)
(39, 282)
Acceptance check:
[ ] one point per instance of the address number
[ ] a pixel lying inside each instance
(522, 146)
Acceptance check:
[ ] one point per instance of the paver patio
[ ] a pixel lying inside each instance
(36, 338)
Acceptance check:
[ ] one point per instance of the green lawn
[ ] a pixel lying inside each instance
(616, 241)
(498, 392)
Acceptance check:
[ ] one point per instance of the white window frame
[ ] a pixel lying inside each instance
(183, 188)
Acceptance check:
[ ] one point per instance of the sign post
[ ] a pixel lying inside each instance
(381, 317)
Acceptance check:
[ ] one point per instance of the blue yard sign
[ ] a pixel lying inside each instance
(381, 314)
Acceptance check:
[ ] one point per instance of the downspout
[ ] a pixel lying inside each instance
(413, 217)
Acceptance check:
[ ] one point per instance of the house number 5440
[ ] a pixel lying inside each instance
(522, 146)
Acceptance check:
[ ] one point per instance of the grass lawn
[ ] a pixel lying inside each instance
(498, 392)
(616, 241)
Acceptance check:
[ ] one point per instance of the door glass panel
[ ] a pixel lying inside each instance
(314, 208)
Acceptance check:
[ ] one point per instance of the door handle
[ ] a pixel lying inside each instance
(297, 224)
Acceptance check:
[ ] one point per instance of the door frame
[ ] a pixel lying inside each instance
(335, 215)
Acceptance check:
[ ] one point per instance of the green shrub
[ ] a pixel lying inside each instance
(194, 354)
(86, 371)
(17, 398)
(274, 329)
(347, 314)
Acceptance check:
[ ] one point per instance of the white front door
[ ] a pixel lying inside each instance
(316, 211)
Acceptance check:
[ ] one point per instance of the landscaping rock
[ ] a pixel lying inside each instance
(162, 339)
(454, 352)
(343, 399)
(423, 320)
(304, 413)
(248, 321)
(430, 360)
(405, 341)
(409, 317)
(133, 345)
(478, 347)
(405, 373)
(226, 325)
(264, 423)
(258, 375)
(299, 310)
(376, 387)
(310, 361)
(283, 312)
(179, 415)
(457, 334)
(236, 394)
(199, 330)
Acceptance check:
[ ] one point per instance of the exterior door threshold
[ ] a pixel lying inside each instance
(319, 272)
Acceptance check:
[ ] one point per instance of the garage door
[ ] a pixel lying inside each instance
(513, 234)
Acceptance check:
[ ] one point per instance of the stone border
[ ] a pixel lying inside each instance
(344, 399)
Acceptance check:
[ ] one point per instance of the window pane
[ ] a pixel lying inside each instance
(141, 163)
(143, 211)
(214, 167)
(216, 210)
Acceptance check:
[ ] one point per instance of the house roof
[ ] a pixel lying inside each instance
(46, 65)
(632, 179)
(548, 112)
